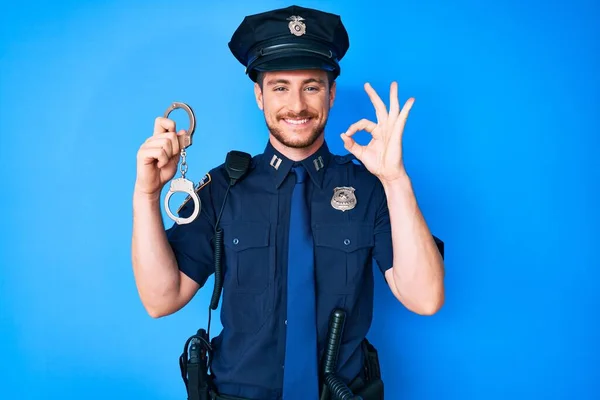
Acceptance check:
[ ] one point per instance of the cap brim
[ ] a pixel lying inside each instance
(291, 62)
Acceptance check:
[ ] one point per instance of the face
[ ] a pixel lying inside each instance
(296, 105)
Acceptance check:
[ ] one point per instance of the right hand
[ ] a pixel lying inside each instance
(157, 158)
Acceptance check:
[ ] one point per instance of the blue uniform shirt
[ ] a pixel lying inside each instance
(249, 352)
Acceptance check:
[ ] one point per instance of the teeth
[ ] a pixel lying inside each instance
(297, 121)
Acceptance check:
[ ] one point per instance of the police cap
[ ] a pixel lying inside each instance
(290, 38)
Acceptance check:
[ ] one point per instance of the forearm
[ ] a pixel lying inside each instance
(417, 269)
(154, 266)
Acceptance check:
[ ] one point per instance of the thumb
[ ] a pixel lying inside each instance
(183, 141)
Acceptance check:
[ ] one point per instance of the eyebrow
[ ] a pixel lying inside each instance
(286, 82)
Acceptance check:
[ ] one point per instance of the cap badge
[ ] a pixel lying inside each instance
(297, 27)
(343, 198)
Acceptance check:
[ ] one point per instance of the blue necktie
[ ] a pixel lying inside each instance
(300, 374)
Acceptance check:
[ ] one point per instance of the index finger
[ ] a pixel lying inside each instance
(362, 125)
(380, 109)
(162, 124)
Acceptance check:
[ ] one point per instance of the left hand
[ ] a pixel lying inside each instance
(382, 156)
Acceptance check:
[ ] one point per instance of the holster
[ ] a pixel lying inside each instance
(194, 367)
(198, 382)
(372, 368)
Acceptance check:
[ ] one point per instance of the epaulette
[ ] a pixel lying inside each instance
(202, 183)
(347, 159)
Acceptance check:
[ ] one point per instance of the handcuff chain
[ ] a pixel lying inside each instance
(183, 167)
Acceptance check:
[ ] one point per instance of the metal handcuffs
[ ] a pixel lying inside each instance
(183, 184)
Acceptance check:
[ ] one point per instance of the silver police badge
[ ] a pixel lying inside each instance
(343, 198)
(297, 27)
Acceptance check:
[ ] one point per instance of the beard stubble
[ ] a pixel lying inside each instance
(302, 143)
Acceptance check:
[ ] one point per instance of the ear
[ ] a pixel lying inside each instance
(259, 95)
(332, 93)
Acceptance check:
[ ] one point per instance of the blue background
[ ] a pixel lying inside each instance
(501, 147)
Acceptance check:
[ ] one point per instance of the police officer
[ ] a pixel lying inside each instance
(300, 228)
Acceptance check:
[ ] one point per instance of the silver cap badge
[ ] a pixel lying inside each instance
(343, 198)
(297, 27)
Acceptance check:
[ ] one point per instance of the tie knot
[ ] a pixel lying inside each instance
(300, 174)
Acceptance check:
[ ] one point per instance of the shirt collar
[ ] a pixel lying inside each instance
(279, 165)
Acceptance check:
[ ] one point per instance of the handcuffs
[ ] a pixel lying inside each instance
(183, 184)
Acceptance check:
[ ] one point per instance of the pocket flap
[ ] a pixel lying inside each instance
(344, 237)
(240, 236)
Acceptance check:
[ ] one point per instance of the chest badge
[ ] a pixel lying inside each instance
(343, 198)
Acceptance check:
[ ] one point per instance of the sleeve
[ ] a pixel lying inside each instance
(383, 249)
(440, 245)
(192, 243)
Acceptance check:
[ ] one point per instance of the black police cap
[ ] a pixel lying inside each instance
(290, 38)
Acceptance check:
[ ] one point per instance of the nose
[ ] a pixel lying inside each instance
(297, 102)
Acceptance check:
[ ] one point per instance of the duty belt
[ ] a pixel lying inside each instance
(367, 386)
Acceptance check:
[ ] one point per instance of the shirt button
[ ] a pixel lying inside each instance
(236, 241)
(346, 242)
(285, 322)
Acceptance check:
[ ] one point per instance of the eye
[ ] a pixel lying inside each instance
(312, 88)
(279, 89)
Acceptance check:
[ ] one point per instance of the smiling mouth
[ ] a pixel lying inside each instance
(297, 122)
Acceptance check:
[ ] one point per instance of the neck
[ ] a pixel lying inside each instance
(295, 154)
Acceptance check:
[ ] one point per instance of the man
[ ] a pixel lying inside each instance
(300, 228)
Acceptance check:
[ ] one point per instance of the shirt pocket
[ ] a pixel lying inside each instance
(247, 256)
(343, 251)
(247, 284)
